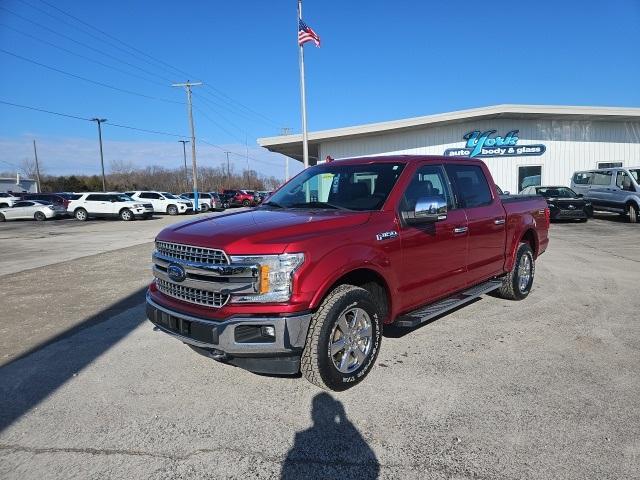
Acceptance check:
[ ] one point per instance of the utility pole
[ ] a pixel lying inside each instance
(35, 154)
(184, 155)
(194, 173)
(228, 171)
(99, 121)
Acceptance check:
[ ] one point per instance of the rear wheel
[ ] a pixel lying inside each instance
(80, 214)
(633, 213)
(516, 285)
(246, 203)
(343, 340)
(39, 216)
(2, 219)
(204, 207)
(126, 215)
(225, 205)
(172, 210)
(3, 205)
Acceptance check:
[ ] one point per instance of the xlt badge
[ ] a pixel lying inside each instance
(386, 235)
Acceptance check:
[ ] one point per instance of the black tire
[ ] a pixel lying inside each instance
(511, 288)
(126, 215)
(2, 219)
(81, 214)
(317, 362)
(39, 216)
(4, 205)
(633, 214)
(225, 205)
(172, 210)
(204, 207)
(583, 220)
(246, 203)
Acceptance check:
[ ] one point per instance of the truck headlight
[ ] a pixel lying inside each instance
(138, 205)
(276, 275)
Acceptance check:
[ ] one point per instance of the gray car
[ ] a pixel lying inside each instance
(32, 209)
(611, 189)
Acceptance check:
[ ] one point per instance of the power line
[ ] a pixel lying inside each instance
(175, 69)
(217, 124)
(79, 55)
(95, 82)
(82, 44)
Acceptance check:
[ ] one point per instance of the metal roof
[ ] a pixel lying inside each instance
(291, 145)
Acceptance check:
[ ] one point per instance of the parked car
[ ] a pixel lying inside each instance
(611, 189)
(216, 201)
(7, 199)
(112, 204)
(564, 203)
(162, 202)
(32, 209)
(61, 198)
(240, 198)
(389, 240)
(204, 199)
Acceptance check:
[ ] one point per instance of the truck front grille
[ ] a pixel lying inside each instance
(192, 295)
(192, 254)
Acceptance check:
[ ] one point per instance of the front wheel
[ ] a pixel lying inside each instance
(343, 340)
(39, 216)
(2, 219)
(172, 210)
(516, 285)
(126, 215)
(246, 203)
(80, 214)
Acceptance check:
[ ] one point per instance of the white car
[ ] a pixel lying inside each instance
(7, 199)
(163, 202)
(110, 204)
(204, 199)
(31, 209)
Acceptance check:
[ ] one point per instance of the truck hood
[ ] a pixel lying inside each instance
(262, 230)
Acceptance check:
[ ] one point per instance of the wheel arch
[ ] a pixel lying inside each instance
(364, 277)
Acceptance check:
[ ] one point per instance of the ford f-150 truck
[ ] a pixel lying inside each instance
(306, 281)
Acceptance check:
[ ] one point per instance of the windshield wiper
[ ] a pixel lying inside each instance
(318, 205)
(272, 204)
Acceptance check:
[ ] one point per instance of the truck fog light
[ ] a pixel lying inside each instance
(269, 331)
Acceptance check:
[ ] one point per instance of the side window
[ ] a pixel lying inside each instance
(471, 185)
(97, 198)
(428, 181)
(582, 178)
(623, 181)
(146, 195)
(601, 178)
(23, 204)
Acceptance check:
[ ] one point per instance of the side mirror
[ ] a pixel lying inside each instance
(113, 200)
(580, 195)
(429, 209)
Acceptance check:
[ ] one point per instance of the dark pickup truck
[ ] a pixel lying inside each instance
(306, 281)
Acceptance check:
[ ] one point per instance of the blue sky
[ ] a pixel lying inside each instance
(380, 60)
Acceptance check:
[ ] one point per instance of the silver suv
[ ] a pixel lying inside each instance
(611, 189)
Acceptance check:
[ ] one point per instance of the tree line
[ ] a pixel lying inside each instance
(124, 177)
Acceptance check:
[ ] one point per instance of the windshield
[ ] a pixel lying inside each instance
(169, 195)
(123, 198)
(635, 173)
(339, 186)
(556, 192)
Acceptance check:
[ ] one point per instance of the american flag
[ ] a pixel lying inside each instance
(305, 34)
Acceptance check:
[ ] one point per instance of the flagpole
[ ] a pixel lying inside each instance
(303, 99)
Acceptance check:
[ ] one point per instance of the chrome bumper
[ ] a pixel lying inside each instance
(221, 337)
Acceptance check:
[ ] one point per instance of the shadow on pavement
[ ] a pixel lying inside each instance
(36, 374)
(331, 448)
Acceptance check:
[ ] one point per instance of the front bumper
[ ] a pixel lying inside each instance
(230, 341)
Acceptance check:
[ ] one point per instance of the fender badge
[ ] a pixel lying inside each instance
(386, 235)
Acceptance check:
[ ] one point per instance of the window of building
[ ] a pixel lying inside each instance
(529, 176)
(609, 164)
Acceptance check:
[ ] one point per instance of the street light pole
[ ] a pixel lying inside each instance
(184, 154)
(99, 121)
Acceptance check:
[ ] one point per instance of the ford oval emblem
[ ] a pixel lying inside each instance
(176, 272)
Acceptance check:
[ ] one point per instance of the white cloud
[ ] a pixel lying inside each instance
(68, 155)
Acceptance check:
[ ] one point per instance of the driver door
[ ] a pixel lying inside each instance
(433, 254)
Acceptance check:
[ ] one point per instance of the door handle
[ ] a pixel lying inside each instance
(499, 221)
(458, 230)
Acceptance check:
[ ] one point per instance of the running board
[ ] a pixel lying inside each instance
(421, 315)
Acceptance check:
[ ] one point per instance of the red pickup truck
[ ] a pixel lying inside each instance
(306, 281)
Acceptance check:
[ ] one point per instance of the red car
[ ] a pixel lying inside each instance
(306, 281)
(240, 198)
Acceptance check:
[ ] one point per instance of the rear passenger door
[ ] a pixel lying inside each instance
(154, 199)
(486, 219)
(98, 204)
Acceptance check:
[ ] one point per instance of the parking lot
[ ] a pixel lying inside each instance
(544, 388)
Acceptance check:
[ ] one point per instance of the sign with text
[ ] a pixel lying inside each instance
(484, 144)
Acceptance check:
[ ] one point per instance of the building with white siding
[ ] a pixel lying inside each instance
(521, 144)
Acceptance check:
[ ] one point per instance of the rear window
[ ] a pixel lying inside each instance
(471, 185)
(582, 178)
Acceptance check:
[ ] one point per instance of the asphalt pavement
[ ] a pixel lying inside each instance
(546, 388)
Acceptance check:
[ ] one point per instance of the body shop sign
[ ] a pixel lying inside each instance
(484, 144)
